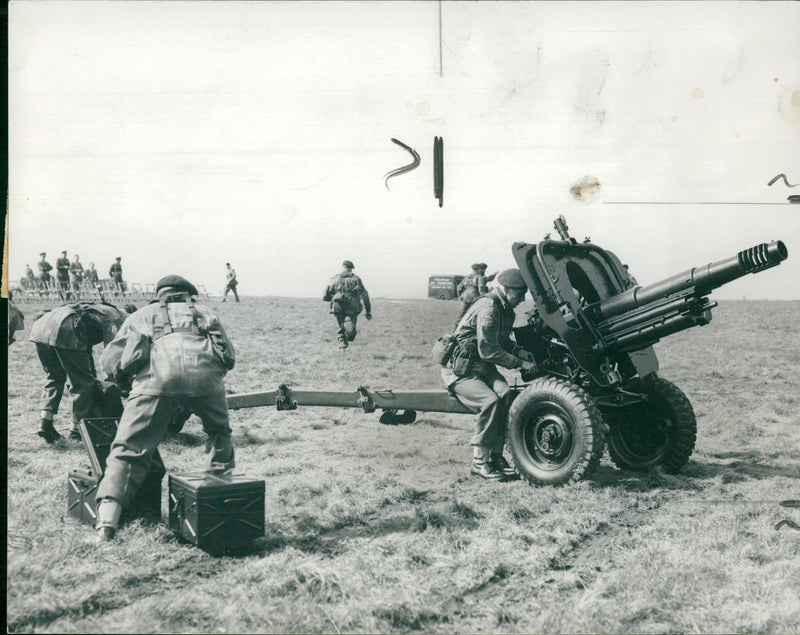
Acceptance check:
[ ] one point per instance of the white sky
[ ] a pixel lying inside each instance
(182, 135)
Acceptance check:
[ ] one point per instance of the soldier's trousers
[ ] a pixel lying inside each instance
(487, 396)
(229, 287)
(142, 427)
(61, 365)
(347, 325)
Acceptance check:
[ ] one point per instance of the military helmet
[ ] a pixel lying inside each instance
(512, 279)
(176, 282)
(348, 263)
(479, 265)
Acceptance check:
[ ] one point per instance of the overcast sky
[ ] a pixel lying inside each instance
(183, 135)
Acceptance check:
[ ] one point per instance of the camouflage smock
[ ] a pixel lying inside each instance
(181, 363)
(77, 327)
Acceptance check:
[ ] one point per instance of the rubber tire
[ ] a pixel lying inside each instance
(668, 405)
(567, 407)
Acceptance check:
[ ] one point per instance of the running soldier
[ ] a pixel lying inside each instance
(483, 343)
(171, 354)
(473, 286)
(64, 339)
(345, 292)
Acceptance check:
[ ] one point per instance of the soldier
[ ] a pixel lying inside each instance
(116, 274)
(44, 270)
(230, 284)
(64, 339)
(473, 286)
(29, 281)
(483, 343)
(62, 276)
(173, 354)
(16, 321)
(76, 274)
(345, 293)
(90, 275)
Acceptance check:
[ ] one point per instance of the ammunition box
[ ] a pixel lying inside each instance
(82, 489)
(216, 512)
(98, 435)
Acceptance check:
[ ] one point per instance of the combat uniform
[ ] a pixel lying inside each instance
(115, 271)
(30, 278)
(345, 292)
(44, 271)
(174, 354)
(76, 274)
(16, 321)
(91, 275)
(483, 343)
(64, 338)
(472, 287)
(62, 275)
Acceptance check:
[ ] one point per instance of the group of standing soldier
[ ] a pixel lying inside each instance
(69, 276)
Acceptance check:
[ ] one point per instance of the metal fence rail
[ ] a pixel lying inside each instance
(106, 289)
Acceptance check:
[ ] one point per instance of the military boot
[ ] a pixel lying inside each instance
(108, 513)
(501, 465)
(483, 466)
(48, 432)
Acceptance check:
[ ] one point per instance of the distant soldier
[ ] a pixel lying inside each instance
(64, 339)
(29, 281)
(473, 286)
(90, 275)
(230, 284)
(116, 274)
(76, 274)
(173, 354)
(345, 293)
(44, 270)
(16, 321)
(62, 276)
(483, 343)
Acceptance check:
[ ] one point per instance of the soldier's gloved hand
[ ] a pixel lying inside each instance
(526, 365)
(368, 315)
(526, 356)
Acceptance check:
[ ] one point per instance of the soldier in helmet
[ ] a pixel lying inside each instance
(171, 355)
(345, 292)
(483, 343)
(64, 339)
(473, 286)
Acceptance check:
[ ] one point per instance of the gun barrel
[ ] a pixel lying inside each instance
(701, 279)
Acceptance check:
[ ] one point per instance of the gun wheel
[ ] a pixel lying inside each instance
(659, 431)
(555, 433)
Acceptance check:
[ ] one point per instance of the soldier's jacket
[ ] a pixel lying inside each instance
(76, 269)
(485, 332)
(347, 290)
(16, 321)
(115, 272)
(78, 326)
(44, 266)
(184, 362)
(473, 286)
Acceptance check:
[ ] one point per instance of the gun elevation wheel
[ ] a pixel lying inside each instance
(659, 431)
(555, 433)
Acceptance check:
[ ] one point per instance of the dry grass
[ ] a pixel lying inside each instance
(375, 528)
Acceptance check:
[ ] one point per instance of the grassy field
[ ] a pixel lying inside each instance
(373, 528)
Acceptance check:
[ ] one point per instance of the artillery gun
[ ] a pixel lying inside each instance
(592, 333)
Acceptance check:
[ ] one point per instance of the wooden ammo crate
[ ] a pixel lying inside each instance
(216, 512)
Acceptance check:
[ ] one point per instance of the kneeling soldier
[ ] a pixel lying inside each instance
(483, 343)
(172, 354)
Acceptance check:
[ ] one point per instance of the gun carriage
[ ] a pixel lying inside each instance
(592, 333)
